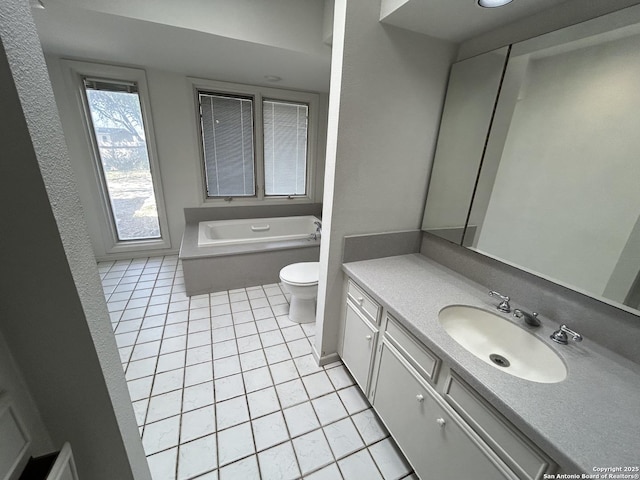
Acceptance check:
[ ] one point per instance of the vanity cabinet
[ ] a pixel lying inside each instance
(434, 439)
(444, 427)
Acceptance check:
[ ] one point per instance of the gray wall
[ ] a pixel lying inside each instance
(54, 317)
(387, 91)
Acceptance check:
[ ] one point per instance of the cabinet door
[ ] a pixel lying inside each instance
(358, 346)
(430, 436)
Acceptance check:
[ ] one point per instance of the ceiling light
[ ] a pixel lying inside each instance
(272, 78)
(493, 3)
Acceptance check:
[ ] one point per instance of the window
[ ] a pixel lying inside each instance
(256, 142)
(118, 128)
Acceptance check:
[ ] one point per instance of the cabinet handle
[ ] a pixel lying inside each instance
(420, 397)
(441, 422)
(368, 337)
(360, 300)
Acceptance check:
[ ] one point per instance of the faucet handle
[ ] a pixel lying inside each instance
(504, 305)
(560, 335)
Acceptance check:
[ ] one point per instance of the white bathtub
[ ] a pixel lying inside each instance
(254, 230)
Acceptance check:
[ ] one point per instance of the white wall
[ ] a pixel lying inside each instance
(177, 141)
(387, 91)
(54, 316)
(569, 159)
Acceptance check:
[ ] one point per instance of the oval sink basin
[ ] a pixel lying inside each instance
(502, 344)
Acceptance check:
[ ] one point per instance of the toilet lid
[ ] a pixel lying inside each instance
(304, 273)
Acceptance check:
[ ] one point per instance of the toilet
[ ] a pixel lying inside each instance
(301, 281)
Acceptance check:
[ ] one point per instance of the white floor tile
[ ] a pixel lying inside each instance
(242, 317)
(199, 313)
(262, 313)
(197, 396)
(271, 338)
(370, 427)
(125, 353)
(220, 321)
(178, 306)
(294, 332)
(279, 463)
(312, 451)
(245, 329)
(198, 339)
(343, 438)
(249, 344)
(263, 402)
(126, 326)
(329, 408)
(140, 410)
(153, 322)
(277, 353)
(251, 360)
(197, 423)
(229, 387)
(226, 366)
(168, 381)
(177, 317)
(223, 309)
(222, 334)
(235, 443)
(247, 468)
(317, 384)
(299, 347)
(340, 377)
(283, 371)
(389, 460)
(257, 379)
(140, 388)
(307, 365)
(198, 355)
(282, 309)
(199, 373)
(225, 349)
(359, 466)
(301, 419)
(267, 325)
(164, 406)
(327, 473)
(269, 430)
(163, 465)
(291, 393)
(161, 435)
(197, 457)
(170, 345)
(231, 412)
(259, 302)
(170, 361)
(141, 368)
(240, 306)
(353, 400)
(237, 296)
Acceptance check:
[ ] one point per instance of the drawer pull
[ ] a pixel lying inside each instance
(442, 422)
(368, 337)
(360, 300)
(420, 397)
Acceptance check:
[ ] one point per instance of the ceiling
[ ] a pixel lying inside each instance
(457, 20)
(242, 40)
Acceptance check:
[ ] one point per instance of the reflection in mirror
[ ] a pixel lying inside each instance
(471, 96)
(559, 192)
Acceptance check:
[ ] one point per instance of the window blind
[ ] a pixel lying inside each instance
(285, 147)
(227, 135)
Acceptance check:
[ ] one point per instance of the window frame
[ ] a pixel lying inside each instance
(258, 94)
(76, 72)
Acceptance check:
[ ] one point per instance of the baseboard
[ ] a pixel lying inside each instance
(326, 359)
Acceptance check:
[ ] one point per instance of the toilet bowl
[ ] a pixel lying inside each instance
(301, 281)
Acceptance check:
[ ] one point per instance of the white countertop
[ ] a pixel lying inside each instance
(591, 419)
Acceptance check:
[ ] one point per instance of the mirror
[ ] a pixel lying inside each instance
(471, 96)
(558, 191)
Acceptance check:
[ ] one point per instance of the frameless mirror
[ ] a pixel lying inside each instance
(470, 100)
(557, 194)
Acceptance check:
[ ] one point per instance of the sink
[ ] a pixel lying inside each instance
(502, 344)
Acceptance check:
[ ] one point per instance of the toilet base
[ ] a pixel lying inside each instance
(302, 310)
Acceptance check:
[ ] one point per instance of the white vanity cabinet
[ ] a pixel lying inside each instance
(434, 439)
(444, 427)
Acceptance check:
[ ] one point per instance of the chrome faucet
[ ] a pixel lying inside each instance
(529, 318)
(504, 305)
(318, 232)
(560, 335)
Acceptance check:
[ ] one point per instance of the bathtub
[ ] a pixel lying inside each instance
(228, 254)
(255, 230)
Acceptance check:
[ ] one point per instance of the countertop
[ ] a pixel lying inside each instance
(591, 419)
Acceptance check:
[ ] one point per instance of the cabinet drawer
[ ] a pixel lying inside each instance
(358, 346)
(512, 447)
(420, 358)
(364, 302)
(436, 442)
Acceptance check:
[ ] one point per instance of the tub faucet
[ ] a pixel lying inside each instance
(318, 232)
(560, 335)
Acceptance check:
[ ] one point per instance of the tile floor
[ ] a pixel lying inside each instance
(224, 385)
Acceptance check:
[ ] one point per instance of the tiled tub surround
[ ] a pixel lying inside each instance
(225, 386)
(591, 419)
